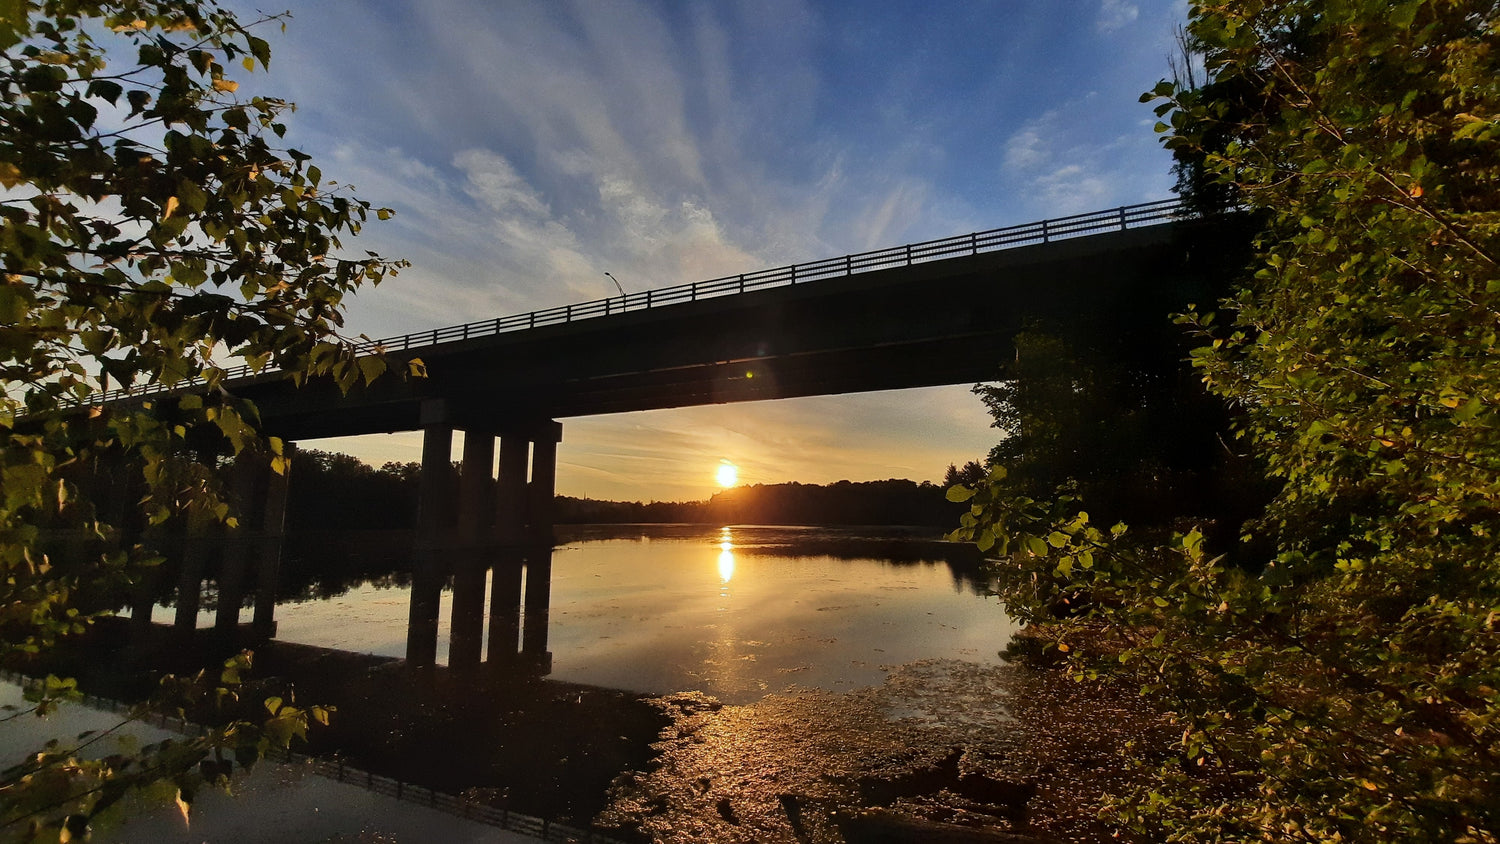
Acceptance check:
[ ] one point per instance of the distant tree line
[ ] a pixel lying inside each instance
(889, 502)
(332, 491)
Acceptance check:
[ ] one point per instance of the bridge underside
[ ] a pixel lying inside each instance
(952, 321)
(944, 322)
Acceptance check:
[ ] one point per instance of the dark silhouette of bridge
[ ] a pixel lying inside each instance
(937, 312)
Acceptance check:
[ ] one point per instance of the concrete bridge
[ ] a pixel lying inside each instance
(924, 314)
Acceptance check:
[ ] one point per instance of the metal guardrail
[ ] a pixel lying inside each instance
(992, 240)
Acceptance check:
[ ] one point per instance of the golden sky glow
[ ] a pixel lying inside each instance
(667, 455)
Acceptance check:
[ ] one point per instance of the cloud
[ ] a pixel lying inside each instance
(1064, 165)
(1026, 150)
(531, 146)
(885, 222)
(1115, 14)
(493, 182)
(1072, 189)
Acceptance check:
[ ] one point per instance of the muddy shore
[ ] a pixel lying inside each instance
(987, 748)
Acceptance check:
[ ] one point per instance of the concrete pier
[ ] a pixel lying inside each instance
(433, 511)
(480, 525)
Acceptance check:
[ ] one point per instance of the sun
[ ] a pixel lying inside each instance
(728, 473)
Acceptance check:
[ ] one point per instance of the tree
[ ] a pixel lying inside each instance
(1107, 411)
(151, 233)
(971, 473)
(1346, 687)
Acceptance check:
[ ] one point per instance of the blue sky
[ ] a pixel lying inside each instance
(528, 147)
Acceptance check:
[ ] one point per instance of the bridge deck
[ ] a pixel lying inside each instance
(941, 312)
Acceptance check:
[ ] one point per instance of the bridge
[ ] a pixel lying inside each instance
(924, 314)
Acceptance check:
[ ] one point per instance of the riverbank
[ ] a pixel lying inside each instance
(912, 745)
(683, 768)
(505, 738)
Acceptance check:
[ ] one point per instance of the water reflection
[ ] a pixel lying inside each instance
(726, 556)
(734, 612)
(642, 609)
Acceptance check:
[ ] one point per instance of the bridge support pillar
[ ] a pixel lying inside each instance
(131, 526)
(142, 602)
(474, 511)
(539, 557)
(510, 531)
(543, 483)
(245, 480)
(272, 536)
(195, 549)
(433, 509)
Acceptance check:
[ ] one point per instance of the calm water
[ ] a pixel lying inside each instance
(735, 612)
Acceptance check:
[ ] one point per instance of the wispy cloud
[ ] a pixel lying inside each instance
(1116, 14)
(530, 146)
(1067, 167)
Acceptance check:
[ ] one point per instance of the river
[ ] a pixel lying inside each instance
(734, 612)
(702, 684)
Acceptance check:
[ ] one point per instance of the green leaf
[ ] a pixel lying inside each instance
(985, 541)
(959, 493)
(1469, 410)
(371, 368)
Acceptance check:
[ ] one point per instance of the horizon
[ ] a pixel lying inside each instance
(721, 490)
(536, 148)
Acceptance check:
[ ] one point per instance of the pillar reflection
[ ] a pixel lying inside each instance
(433, 509)
(505, 605)
(537, 608)
(490, 535)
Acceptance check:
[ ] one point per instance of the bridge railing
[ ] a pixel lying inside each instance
(993, 240)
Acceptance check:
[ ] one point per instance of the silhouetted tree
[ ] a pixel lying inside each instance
(972, 473)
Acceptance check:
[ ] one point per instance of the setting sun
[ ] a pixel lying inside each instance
(728, 473)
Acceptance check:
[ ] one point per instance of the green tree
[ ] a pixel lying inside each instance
(1345, 688)
(1124, 424)
(152, 234)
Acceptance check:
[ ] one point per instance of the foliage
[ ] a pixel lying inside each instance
(887, 502)
(1125, 425)
(1344, 688)
(338, 492)
(972, 473)
(61, 791)
(151, 233)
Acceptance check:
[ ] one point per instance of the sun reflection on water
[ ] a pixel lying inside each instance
(726, 556)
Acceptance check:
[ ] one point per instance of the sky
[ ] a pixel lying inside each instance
(529, 147)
